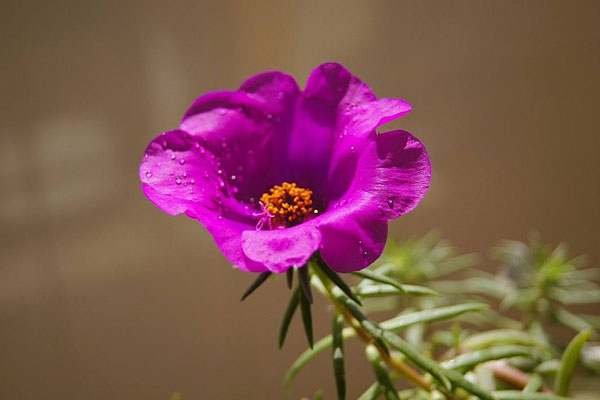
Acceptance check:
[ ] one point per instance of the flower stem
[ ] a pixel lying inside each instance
(392, 360)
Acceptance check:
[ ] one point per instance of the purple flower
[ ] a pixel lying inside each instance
(277, 174)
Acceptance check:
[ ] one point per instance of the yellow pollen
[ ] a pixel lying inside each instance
(288, 203)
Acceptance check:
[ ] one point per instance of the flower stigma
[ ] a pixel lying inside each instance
(287, 204)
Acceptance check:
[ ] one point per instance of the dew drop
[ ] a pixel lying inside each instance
(222, 112)
(390, 202)
(184, 174)
(206, 175)
(178, 180)
(182, 161)
(352, 148)
(192, 181)
(220, 172)
(233, 177)
(269, 116)
(315, 211)
(148, 174)
(172, 156)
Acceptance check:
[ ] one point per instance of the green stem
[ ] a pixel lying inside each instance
(323, 284)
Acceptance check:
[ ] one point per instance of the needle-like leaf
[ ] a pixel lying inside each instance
(377, 277)
(306, 317)
(259, 281)
(305, 283)
(289, 275)
(289, 314)
(336, 279)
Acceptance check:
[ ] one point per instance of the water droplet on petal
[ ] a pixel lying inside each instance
(269, 116)
(192, 181)
(352, 148)
(233, 177)
(390, 202)
(178, 180)
(220, 172)
(172, 156)
(148, 174)
(182, 161)
(222, 112)
(184, 174)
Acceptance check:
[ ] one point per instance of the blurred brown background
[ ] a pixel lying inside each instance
(102, 296)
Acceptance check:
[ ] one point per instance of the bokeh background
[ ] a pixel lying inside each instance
(102, 296)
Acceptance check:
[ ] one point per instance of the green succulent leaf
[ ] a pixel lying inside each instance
(568, 362)
(467, 361)
(517, 395)
(338, 356)
(377, 277)
(388, 290)
(535, 384)
(381, 373)
(371, 393)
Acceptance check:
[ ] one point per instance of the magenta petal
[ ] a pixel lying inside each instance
(395, 168)
(281, 249)
(353, 234)
(305, 150)
(332, 83)
(228, 237)
(178, 174)
(360, 121)
(277, 92)
(236, 128)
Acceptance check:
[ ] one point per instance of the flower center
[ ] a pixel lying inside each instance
(288, 204)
